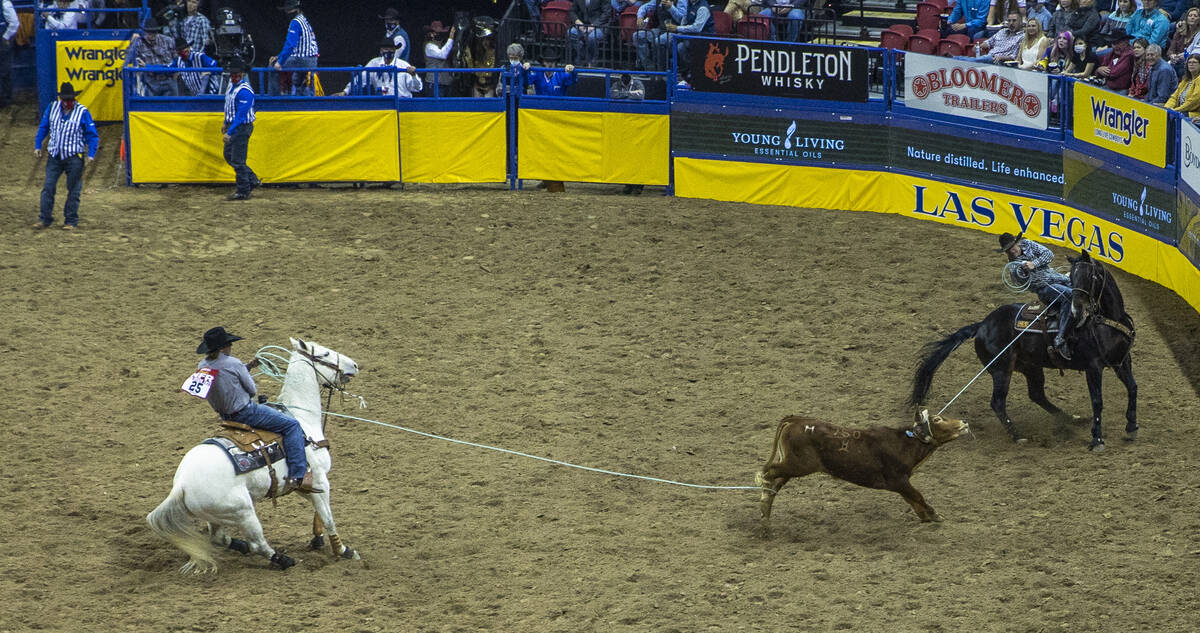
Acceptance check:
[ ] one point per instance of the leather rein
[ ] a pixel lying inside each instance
(1092, 302)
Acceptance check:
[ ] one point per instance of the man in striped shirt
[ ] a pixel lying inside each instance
(239, 125)
(299, 50)
(72, 131)
(195, 83)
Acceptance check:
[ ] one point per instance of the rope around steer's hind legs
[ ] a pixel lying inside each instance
(999, 354)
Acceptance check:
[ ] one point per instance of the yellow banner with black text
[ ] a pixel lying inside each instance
(93, 67)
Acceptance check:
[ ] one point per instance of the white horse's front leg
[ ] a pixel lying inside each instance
(324, 519)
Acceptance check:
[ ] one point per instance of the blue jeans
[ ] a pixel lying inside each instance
(159, 86)
(6, 58)
(1050, 293)
(795, 18)
(55, 167)
(585, 37)
(644, 40)
(269, 419)
(300, 85)
(235, 155)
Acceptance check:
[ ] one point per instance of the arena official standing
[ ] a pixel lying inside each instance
(299, 50)
(239, 125)
(8, 30)
(71, 131)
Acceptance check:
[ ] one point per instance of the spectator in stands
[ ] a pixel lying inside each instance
(974, 14)
(1150, 23)
(1186, 98)
(690, 17)
(368, 83)
(152, 49)
(1114, 25)
(1042, 14)
(739, 9)
(437, 55)
(195, 27)
(1086, 21)
(589, 19)
(789, 11)
(1061, 20)
(392, 29)
(1163, 79)
(550, 82)
(1139, 83)
(71, 130)
(1082, 62)
(239, 125)
(8, 30)
(1058, 54)
(63, 18)
(300, 50)
(1002, 45)
(535, 8)
(1174, 8)
(1033, 45)
(1116, 66)
(195, 83)
(517, 68)
(620, 5)
(623, 88)
(1001, 8)
(1185, 34)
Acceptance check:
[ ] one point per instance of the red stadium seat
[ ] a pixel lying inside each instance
(942, 5)
(920, 43)
(905, 29)
(754, 27)
(929, 15)
(950, 48)
(627, 23)
(894, 40)
(565, 5)
(722, 23)
(961, 41)
(932, 34)
(555, 20)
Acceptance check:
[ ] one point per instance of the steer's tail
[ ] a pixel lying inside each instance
(172, 521)
(932, 357)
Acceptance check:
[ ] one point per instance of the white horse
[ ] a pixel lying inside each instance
(206, 489)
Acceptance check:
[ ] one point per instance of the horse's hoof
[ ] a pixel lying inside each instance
(282, 561)
(1020, 440)
(316, 543)
(1097, 447)
(1131, 437)
(238, 545)
(349, 554)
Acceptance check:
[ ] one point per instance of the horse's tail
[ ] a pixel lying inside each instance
(932, 357)
(172, 521)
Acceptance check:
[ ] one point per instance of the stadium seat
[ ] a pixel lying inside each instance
(929, 15)
(905, 29)
(893, 39)
(943, 5)
(556, 19)
(722, 23)
(957, 44)
(924, 42)
(565, 5)
(754, 27)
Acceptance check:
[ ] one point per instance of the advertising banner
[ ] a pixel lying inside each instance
(1126, 126)
(773, 69)
(1189, 235)
(783, 138)
(1140, 203)
(94, 68)
(1189, 154)
(1021, 169)
(976, 91)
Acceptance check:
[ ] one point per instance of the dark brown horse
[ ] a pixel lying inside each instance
(1101, 336)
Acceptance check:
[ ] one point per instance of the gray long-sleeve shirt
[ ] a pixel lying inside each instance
(233, 387)
(1042, 274)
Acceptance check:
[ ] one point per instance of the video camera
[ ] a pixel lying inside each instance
(230, 38)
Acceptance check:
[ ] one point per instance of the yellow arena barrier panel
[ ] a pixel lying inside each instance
(606, 147)
(453, 147)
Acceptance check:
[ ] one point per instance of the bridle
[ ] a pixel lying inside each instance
(338, 384)
(1091, 297)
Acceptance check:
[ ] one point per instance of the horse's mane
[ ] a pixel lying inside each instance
(1112, 303)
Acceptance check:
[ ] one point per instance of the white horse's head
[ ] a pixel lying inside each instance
(334, 369)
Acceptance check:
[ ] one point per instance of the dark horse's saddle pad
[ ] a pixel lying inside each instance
(1029, 312)
(248, 448)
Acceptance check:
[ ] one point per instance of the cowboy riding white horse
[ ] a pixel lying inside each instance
(208, 489)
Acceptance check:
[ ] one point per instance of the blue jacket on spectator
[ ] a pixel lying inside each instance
(1163, 82)
(1154, 28)
(557, 83)
(975, 12)
(1174, 7)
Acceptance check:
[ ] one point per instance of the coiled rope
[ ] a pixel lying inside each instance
(270, 365)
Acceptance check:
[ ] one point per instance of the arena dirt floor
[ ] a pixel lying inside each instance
(649, 335)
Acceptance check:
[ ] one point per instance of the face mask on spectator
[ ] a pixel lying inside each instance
(1079, 49)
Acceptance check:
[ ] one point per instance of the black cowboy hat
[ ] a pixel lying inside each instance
(387, 42)
(437, 27)
(390, 14)
(151, 26)
(66, 90)
(237, 65)
(1007, 240)
(215, 339)
(290, 5)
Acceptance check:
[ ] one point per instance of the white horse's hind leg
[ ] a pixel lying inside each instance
(221, 539)
(252, 530)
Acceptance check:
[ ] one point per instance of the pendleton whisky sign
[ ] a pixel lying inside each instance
(774, 69)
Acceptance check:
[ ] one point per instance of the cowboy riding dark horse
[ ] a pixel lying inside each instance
(1052, 287)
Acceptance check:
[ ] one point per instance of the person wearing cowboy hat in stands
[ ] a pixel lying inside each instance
(300, 50)
(393, 30)
(232, 397)
(1050, 285)
(71, 130)
(155, 49)
(437, 55)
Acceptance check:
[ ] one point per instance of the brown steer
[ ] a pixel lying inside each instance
(877, 457)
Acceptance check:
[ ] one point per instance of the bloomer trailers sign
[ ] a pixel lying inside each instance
(779, 70)
(976, 91)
